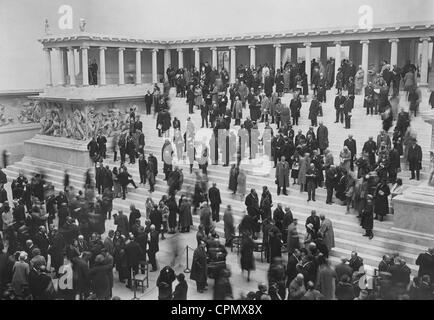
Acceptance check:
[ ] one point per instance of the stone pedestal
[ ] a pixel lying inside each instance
(12, 139)
(414, 210)
(56, 149)
(260, 167)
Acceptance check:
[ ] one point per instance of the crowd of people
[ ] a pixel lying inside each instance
(66, 230)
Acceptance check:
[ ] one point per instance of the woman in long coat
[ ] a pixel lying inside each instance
(326, 229)
(198, 100)
(247, 259)
(241, 183)
(302, 163)
(358, 80)
(173, 210)
(233, 178)
(238, 110)
(100, 278)
(229, 228)
(117, 192)
(199, 268)
(185, 217)
(285, 115)
(381, 202)
(345, 156)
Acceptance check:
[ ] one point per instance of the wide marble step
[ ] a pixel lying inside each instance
(141, 203)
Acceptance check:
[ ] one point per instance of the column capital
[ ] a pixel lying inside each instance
(337, 43)
(277, 45)
(154, 50)
(196, 49)
(47, 49)
(179, 49)
(307, 44)
(393, 40)
(252, 46)
(102, 48)
(121, 49)
(425, 39)
(364, 41)
(139, 49)
(84, 47)
(213, 48)
(232, 48)
(70, 48)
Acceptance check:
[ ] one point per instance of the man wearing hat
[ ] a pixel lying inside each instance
(367, 221)
(314, 220)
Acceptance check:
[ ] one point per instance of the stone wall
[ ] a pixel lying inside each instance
(14, 129)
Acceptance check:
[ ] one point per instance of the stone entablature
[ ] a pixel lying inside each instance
(296, 36)
(80, 44)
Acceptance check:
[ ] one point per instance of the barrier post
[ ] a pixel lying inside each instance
(187, 270)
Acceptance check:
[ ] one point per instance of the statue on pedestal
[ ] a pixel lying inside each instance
(47, 28)
(82, 25)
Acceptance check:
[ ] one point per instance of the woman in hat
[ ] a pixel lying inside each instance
(100, 278)
(181, 288)
(20, 277)
(309, 236)
(241, 183)
(381, 201)
(247, 259)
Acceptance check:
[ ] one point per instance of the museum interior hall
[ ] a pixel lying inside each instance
(238, 150)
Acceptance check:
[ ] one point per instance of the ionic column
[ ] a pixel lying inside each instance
(323, 54)
(84, 66)
(278, 59)
(154, 66)
(365, 60)
(196, 58)
(121, 66)
(307, 66)
(338, 58)
(102, 74)
(214, 57)
(48, 67)
(60, 68)
(180, 58)
(233, 64)
(424, 62)
(252, 55)
(294, 54)
(167, 62)
(393, 51)
(138, 65)
(71, 66)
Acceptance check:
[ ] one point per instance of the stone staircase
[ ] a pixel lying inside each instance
(348, 233)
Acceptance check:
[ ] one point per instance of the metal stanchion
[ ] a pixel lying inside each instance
(133, 279)
(187, 270)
